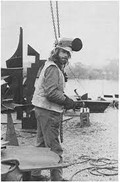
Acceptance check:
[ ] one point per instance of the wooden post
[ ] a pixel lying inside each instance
(84, 117)
(10, 133)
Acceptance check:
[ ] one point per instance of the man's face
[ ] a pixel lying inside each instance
(63, 57)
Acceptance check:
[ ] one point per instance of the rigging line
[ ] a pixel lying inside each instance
(53, 20)
(76, 78)
(58, 22)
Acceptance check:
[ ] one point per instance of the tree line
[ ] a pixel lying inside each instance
(81, 71)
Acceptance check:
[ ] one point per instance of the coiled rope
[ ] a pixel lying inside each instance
(99, 167)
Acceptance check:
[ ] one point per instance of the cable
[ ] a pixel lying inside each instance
(58, 22)
(104, 161)
(57, 19)
(88, 168)
(77, 79)
(53, 20)
(97, 168)
(100, 173)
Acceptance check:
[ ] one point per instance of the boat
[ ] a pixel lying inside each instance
(114, 98)
(95, 106)
(110, 97)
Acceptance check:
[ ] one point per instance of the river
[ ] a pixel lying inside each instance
(94, 88)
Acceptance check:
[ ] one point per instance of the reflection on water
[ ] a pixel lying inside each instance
(94, 88)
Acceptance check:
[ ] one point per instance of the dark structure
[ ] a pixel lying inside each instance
(15, 71)
(18, 92)
(16, 60)
(32, 74)
(29, 122)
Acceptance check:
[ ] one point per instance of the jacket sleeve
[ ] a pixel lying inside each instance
(51, 81)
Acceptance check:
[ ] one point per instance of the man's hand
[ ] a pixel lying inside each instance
(69, 103)
(79, 104)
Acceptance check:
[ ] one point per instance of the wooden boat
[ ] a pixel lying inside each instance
(95, 106)
(114, 98)
(110, 97)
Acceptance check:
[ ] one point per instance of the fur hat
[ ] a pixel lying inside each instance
(68, 44)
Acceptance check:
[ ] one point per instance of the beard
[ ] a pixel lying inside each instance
(60, 62)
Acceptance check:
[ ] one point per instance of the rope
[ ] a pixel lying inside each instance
(100, 173)
(77, 79)
(73, 73)
(58, 22)
(97, 168)
(53, 20)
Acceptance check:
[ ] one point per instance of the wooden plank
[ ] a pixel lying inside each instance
(28, 130)
(32, 158)
(14, 122)
(4, 142)
(71, 113)
(66, 118)
(4, 121)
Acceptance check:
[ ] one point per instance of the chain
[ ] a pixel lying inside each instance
(58, 22)
(53, 20)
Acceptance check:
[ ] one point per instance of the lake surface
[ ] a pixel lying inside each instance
(94, 88)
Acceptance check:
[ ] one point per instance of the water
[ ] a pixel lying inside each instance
(94, 88)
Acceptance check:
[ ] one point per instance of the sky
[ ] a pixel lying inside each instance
(96, 23)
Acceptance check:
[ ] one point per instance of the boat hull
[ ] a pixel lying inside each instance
(96, 106)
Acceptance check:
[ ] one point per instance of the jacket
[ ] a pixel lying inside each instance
(49, 89)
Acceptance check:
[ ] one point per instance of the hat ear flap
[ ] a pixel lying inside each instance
(77, 44)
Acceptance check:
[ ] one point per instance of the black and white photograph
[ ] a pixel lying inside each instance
(60, 90)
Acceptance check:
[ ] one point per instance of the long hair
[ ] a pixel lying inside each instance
(54, 55)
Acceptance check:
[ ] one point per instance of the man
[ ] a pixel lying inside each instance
(49, 99)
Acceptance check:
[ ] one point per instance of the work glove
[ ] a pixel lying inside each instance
(69, 103)
(79, 104)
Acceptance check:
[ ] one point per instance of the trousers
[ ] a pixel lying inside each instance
(48, 125)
